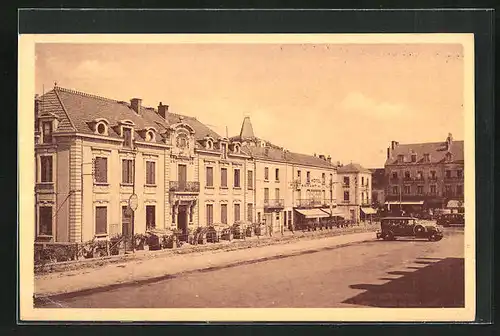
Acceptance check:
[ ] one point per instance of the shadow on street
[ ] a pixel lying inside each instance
(437, 284)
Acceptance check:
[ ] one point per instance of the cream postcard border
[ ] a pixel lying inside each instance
(26, 178)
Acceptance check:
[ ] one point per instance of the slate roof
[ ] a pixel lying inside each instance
(77, 110)
(246, 129)
(275, 154)
(353, 168)
(436, 150)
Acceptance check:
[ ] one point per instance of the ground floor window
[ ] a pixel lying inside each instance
(237, 212)
(150, 216)
(223, 213)
(45, 221)
(210, 214)
(250, 212)
(101, 220)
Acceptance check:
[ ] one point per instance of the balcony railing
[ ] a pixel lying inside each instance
(310, 203)
(453, 178)
(274, 203)
(432, 178)
(46, 187)
(185, 186)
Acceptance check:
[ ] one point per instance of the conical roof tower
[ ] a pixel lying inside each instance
(246, 129)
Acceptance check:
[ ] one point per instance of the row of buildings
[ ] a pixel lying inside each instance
(421, 177)
(93, 153)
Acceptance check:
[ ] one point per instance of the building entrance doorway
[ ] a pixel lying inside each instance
(182, 223)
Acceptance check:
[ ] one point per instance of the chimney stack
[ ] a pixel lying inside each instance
(449, 141)
(329, 158)
(394, 144)
(163, 110)
(136, 104)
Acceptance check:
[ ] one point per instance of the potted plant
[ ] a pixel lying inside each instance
(227, 233)
(212, 236)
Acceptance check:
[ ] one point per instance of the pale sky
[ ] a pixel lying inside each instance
(344, 100)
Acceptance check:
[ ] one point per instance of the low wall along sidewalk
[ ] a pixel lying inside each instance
(151, 269)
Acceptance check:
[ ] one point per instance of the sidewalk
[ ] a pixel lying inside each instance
(137, 271)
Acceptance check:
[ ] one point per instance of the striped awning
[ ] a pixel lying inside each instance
(369, 211)
(455, 204)
(312, 213)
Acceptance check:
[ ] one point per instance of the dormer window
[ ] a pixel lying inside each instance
(236, 148)
(426, 157)
(127, 136)
(47, 132)
(413, 157)
(209, 142)
(100, 126)
(448, 156)
(182, 141)
(224, 150)
(150, 135)
(400, 158)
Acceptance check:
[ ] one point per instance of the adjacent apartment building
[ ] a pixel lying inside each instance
(93, 153)
(289, 186)
(355, 192)
(425, 176)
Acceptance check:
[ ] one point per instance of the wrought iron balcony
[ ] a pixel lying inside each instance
(274, 203)
(453, 178)
(432, 178)
(184, 186)
(311, 203)
(45, 187)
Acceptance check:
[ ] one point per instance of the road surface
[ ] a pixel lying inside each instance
(401, 273)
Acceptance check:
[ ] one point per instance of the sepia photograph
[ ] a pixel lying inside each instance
(257, 177)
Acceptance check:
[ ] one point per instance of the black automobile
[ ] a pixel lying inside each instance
(448, 219)
(393, 227)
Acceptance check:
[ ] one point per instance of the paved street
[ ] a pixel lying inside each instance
(401, 273)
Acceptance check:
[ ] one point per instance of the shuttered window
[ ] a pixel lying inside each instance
(46, 168)
(210, 177)
(223, 177)
(127, 171)
(223, 213)
(45, 221)
(101, 169)
(101, 220)
(150, 172)
(210, 214)
(237, 212)
(250, 179)
(250, 212)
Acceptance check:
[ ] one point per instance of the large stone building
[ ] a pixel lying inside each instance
(93, 153)
(425, 176)
(355, 192)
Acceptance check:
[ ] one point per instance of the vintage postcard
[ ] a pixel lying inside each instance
(265, 177)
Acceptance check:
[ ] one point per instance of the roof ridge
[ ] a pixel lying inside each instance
(85, 94)
(65, 111)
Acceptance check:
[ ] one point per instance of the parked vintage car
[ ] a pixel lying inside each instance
(451, 218)
(392, 227)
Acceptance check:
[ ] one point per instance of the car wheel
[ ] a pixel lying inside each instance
(418, 229)
(434, 237)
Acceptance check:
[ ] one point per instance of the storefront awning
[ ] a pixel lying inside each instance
(405, 203)
(369, 211)
(312, 213)
(455, 204)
